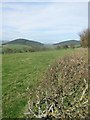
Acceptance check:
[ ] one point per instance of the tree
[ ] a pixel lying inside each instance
(65, 46)
(84, 35)
(72, 46)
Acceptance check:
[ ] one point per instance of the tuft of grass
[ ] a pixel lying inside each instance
(63, 93)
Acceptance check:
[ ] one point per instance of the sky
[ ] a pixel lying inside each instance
(44, 0)
(46, 22)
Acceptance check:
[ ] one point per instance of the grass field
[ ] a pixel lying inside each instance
(22, 71)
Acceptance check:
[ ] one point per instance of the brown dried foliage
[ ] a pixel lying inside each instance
(63, 93)
(84, 38)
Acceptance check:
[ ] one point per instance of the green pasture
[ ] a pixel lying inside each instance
(21, 71)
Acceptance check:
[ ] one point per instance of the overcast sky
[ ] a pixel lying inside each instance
(47, 22)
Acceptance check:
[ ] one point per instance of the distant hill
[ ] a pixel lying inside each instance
(69, 42)
(22, 45)
(24, 42)
(4, 42)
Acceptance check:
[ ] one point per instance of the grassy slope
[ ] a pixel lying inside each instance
(20, 71)
(15, 46)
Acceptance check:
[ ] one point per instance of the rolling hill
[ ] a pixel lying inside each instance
(69, 42)
(25, 45)
(22, 45)
(24, 42)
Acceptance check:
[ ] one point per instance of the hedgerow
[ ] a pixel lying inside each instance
(63, 92)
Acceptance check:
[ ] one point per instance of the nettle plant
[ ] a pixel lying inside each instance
(63, 93)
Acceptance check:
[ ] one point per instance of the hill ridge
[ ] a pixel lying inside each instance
(68, 42)
(24, 41)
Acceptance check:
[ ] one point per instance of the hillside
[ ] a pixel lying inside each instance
(24, 42)
(69, 42)
(4, 42)
(22, 45)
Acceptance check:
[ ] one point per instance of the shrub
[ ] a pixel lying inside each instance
(65, 46)
(84, 37)
(62, 47)
(59, 47)
(63, 93)
(72, 46)
(7, 50)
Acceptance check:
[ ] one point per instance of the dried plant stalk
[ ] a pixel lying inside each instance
(63, 93)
